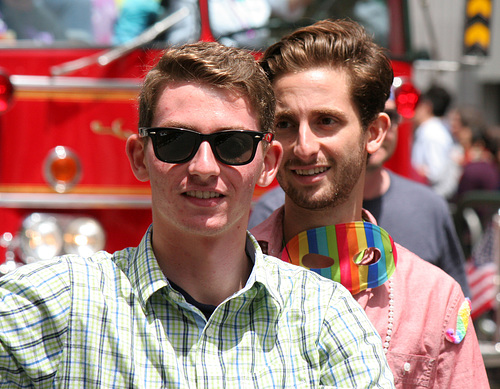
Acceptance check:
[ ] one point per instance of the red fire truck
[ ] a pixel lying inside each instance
(66, 110)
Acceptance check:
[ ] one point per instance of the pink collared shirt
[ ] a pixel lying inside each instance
(426, 304)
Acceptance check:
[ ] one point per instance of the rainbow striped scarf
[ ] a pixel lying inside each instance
(345, 244)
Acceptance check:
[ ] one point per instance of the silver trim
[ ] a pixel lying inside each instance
(73, 201)
(46, 83)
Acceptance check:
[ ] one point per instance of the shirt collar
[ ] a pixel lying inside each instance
(143, 270)
(368, 217)
(147, 278)
(269, 233)
(263, 272)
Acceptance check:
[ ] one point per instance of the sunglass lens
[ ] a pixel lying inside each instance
(234, 148)
(175, 145)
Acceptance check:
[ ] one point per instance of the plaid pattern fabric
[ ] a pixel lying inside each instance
(113, 321)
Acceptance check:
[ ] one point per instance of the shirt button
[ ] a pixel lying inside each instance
(407, 366)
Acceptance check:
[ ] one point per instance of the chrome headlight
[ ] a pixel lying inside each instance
(84, 236)
(41, 237)
(44, 236)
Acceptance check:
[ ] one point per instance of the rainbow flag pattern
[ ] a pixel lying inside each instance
(343, 243)
(463, 318)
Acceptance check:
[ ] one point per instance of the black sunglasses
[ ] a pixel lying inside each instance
(179, 145)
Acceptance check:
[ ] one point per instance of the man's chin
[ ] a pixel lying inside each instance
(312, 201)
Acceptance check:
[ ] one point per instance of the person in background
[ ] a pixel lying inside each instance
(494, 134)
(432, 149)
(331, 83)
(197, 303)
(394, 200)
(478, 150)
(465, 122)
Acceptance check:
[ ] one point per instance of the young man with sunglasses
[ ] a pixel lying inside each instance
(196, 304)
(331, 83)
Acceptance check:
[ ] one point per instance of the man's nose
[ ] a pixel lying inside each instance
(204, 164)
(306, 143)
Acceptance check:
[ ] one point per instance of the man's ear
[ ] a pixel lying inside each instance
(376, 132)
(272, 160)
(136, 153)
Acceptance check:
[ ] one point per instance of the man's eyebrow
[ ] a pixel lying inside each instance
(285, 113)
(288, 113)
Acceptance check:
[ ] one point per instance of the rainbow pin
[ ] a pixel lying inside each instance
(463, 317)
(343, 243)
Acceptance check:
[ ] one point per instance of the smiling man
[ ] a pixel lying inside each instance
(331, 83)
(196, 304)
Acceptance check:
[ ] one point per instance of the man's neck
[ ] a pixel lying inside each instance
(377, 183)
(297, 219)
(209, 268)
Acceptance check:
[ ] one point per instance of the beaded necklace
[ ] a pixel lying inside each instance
(390, 318)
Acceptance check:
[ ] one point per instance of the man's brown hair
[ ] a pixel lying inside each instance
(212, 64)
(339, 44)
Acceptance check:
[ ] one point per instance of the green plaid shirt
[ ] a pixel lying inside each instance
(113, 321)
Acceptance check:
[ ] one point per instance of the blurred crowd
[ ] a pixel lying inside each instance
(455, 150)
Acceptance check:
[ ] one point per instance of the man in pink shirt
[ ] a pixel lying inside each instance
(331, 82)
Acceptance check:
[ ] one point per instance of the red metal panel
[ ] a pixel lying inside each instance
(400, 161)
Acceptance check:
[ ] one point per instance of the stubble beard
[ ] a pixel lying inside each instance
(328, 195)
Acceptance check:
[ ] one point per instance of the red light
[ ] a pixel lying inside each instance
(6, 92)
(406, 100)
(62, 169)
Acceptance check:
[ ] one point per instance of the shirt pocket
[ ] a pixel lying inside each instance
(412, 371)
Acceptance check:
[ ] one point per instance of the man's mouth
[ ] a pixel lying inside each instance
(311, 172)
(199, 194)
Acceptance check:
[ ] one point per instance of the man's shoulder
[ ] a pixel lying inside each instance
(272, 198)
(269, 233)
(288, 270)
(288, 279)
(415, 190)
(418, 274)
(58, 273)
(406, 183)
(268, 202)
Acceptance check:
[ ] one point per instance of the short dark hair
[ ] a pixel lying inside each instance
(212, 64)
(337, 44)
(438, 97)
